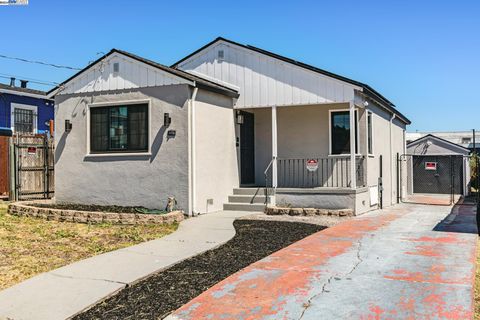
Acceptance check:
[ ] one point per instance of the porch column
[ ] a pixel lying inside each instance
(274, 147)
(353, 172)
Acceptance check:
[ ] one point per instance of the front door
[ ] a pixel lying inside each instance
(247, 149)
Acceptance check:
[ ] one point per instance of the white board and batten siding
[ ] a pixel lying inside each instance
(264, 81)
(131, 74)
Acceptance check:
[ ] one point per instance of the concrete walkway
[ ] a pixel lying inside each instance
(63, 292)
(406, 262)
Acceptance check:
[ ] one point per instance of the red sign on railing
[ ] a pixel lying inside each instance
(312, 165)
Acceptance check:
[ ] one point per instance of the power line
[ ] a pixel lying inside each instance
(39, 62)
(32, 80)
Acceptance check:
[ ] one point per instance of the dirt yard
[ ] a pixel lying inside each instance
(29, 246)
(163, 292)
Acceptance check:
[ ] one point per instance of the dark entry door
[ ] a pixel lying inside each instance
(445, 178)
(247, 147)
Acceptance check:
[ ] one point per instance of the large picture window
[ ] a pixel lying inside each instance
(340, 132)
(122, 128)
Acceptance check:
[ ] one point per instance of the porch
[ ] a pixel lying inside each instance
(304, 154)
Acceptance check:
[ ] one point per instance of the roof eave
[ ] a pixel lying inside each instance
(190, 81)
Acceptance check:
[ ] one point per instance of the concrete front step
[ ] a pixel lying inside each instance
(235, 206)
(252, 191)
(247, 199)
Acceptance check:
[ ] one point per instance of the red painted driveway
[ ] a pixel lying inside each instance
(406, 262)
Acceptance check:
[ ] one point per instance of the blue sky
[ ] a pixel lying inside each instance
(422, 55)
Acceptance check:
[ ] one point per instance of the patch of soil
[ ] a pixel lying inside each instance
(89, 207)
(163, 292)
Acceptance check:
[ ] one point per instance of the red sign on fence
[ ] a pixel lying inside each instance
(32, 150)
(431, 166)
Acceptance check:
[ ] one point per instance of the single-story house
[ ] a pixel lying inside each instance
(218, 127)
(438, 166)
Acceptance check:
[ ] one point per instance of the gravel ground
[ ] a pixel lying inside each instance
(161, 293)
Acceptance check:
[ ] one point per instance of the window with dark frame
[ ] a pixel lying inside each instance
(340, 132)
(369, 133)
(117, 129)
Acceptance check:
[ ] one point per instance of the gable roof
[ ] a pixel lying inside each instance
(199, 81)
(431, 136)
(365, 87)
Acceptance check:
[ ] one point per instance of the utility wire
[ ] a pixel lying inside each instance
(32, 80)
(39, 62)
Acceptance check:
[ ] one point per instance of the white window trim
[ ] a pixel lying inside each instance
(357, 154)
(14, 106)
(120, 103)
(373, 135)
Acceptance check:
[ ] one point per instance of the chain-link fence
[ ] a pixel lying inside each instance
(433, 179)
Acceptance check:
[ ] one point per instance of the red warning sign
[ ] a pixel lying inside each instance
(430, 166)
(312, 165)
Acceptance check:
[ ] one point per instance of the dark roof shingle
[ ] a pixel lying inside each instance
(24, 90)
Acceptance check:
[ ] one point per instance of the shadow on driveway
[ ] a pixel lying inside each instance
(463, 218)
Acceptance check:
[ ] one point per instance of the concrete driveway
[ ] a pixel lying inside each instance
(406, 262)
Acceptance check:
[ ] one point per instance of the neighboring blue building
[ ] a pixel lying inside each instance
(24, 110)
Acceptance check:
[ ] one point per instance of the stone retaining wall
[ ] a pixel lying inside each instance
(28, 209)
(308, 211)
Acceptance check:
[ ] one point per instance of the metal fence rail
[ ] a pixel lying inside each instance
(332, 172)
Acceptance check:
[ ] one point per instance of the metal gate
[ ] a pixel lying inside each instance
(432, 179)
(34, 165)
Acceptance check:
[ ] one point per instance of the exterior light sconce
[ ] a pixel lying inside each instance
(240, 118)
(68, 126)
(166, 119)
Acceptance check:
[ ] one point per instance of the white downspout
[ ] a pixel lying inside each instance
(274, 153)
(353, 166)
(192, 149)
(392, 166)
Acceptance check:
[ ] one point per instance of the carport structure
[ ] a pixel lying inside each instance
(434, 166)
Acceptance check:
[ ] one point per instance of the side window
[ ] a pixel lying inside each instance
(369, 132)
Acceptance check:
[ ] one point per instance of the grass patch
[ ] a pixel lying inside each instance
(29, 246)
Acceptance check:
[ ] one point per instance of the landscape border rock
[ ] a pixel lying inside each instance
(28, 209)
(271, 210)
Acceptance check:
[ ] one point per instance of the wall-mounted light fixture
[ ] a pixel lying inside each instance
(240, 118)
(166, 119)
(68, 126)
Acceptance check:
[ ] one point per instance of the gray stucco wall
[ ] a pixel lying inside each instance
(145, 180)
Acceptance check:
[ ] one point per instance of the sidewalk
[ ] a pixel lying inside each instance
(405, 262)
(63, 292)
